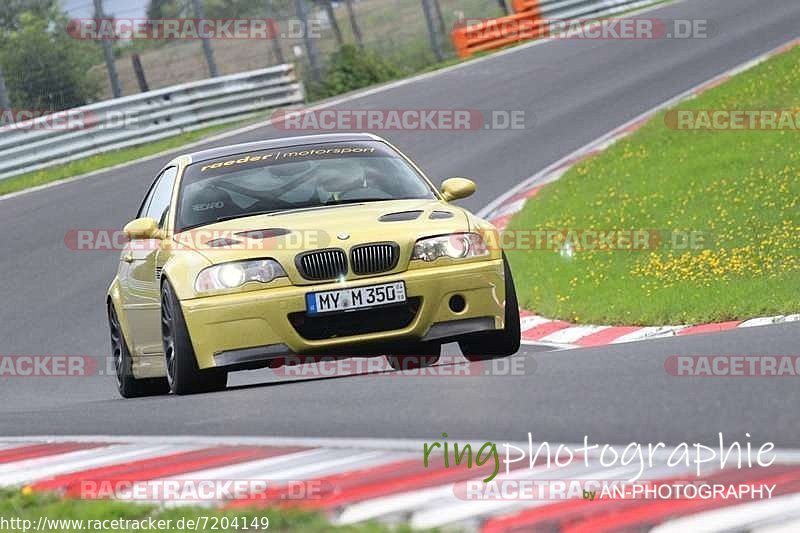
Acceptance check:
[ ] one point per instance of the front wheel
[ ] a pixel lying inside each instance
(501, 343)
(127, 385)
(183, 374)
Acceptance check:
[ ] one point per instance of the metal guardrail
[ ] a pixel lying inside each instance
(145, 117)
(530, 22)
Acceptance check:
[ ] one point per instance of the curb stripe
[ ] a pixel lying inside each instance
(606, 336)
(572, 334)
(158, 467)
(710, 328)
(573, 515)
(649, 513)
(43, 450)
(536, 333)
(735, 517)
(38, 469)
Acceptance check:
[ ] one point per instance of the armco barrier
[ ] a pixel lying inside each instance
(529, 22)
(145, 117)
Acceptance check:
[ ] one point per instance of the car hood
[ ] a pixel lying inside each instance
(282, 236)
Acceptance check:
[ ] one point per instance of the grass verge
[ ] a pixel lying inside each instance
(735, 191)
(111, 158)
(80, 516)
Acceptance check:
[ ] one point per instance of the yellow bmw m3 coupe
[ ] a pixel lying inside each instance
(246, 256)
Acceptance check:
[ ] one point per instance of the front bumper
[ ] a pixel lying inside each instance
(225, 326)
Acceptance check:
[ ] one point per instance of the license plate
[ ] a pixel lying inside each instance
(355, 298)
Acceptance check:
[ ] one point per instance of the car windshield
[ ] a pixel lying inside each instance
(273, 181)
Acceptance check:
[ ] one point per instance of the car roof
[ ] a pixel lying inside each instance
(283, 142)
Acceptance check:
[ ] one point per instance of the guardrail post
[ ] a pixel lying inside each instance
(311, 47)
(5, 102)
(207, 50)
(432, 31)
(108, 54)
(354, 23)
(440, 18)
(337, 32)
(139, 71)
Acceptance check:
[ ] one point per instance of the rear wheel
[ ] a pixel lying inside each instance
(421, 355)
(501, 343)
(183, 374)
(127, 384)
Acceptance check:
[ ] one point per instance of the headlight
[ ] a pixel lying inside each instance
(232, 275)
(455, 246)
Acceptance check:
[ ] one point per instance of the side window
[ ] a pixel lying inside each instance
(157, 205)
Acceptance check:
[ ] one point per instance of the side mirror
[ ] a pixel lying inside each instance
(142, 228)
(457, 188)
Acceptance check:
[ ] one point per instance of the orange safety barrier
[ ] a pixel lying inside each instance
(521, 6)
(490, 34)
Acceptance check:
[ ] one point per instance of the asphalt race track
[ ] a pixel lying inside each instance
(572, 92)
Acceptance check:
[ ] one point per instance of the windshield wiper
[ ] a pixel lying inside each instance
(357, 201)
(253, 214)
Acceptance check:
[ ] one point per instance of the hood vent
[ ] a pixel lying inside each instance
(438, 215)
(264, 233)
(222, 242)
(401, 216)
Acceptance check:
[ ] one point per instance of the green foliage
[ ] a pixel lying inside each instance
(216, 8)
(352, 68)
(44, 67)
(736, 192)
(12, 10)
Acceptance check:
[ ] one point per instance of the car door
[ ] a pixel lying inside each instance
(140, 271)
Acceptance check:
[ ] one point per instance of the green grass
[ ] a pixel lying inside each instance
(14, 504)
(109, 159)
(738, 189)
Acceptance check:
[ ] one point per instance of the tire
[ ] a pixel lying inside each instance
(183, 374)
(127, 385)
(422, 355)
(501, 343)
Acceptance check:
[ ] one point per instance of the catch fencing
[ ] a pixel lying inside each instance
(131, 120)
